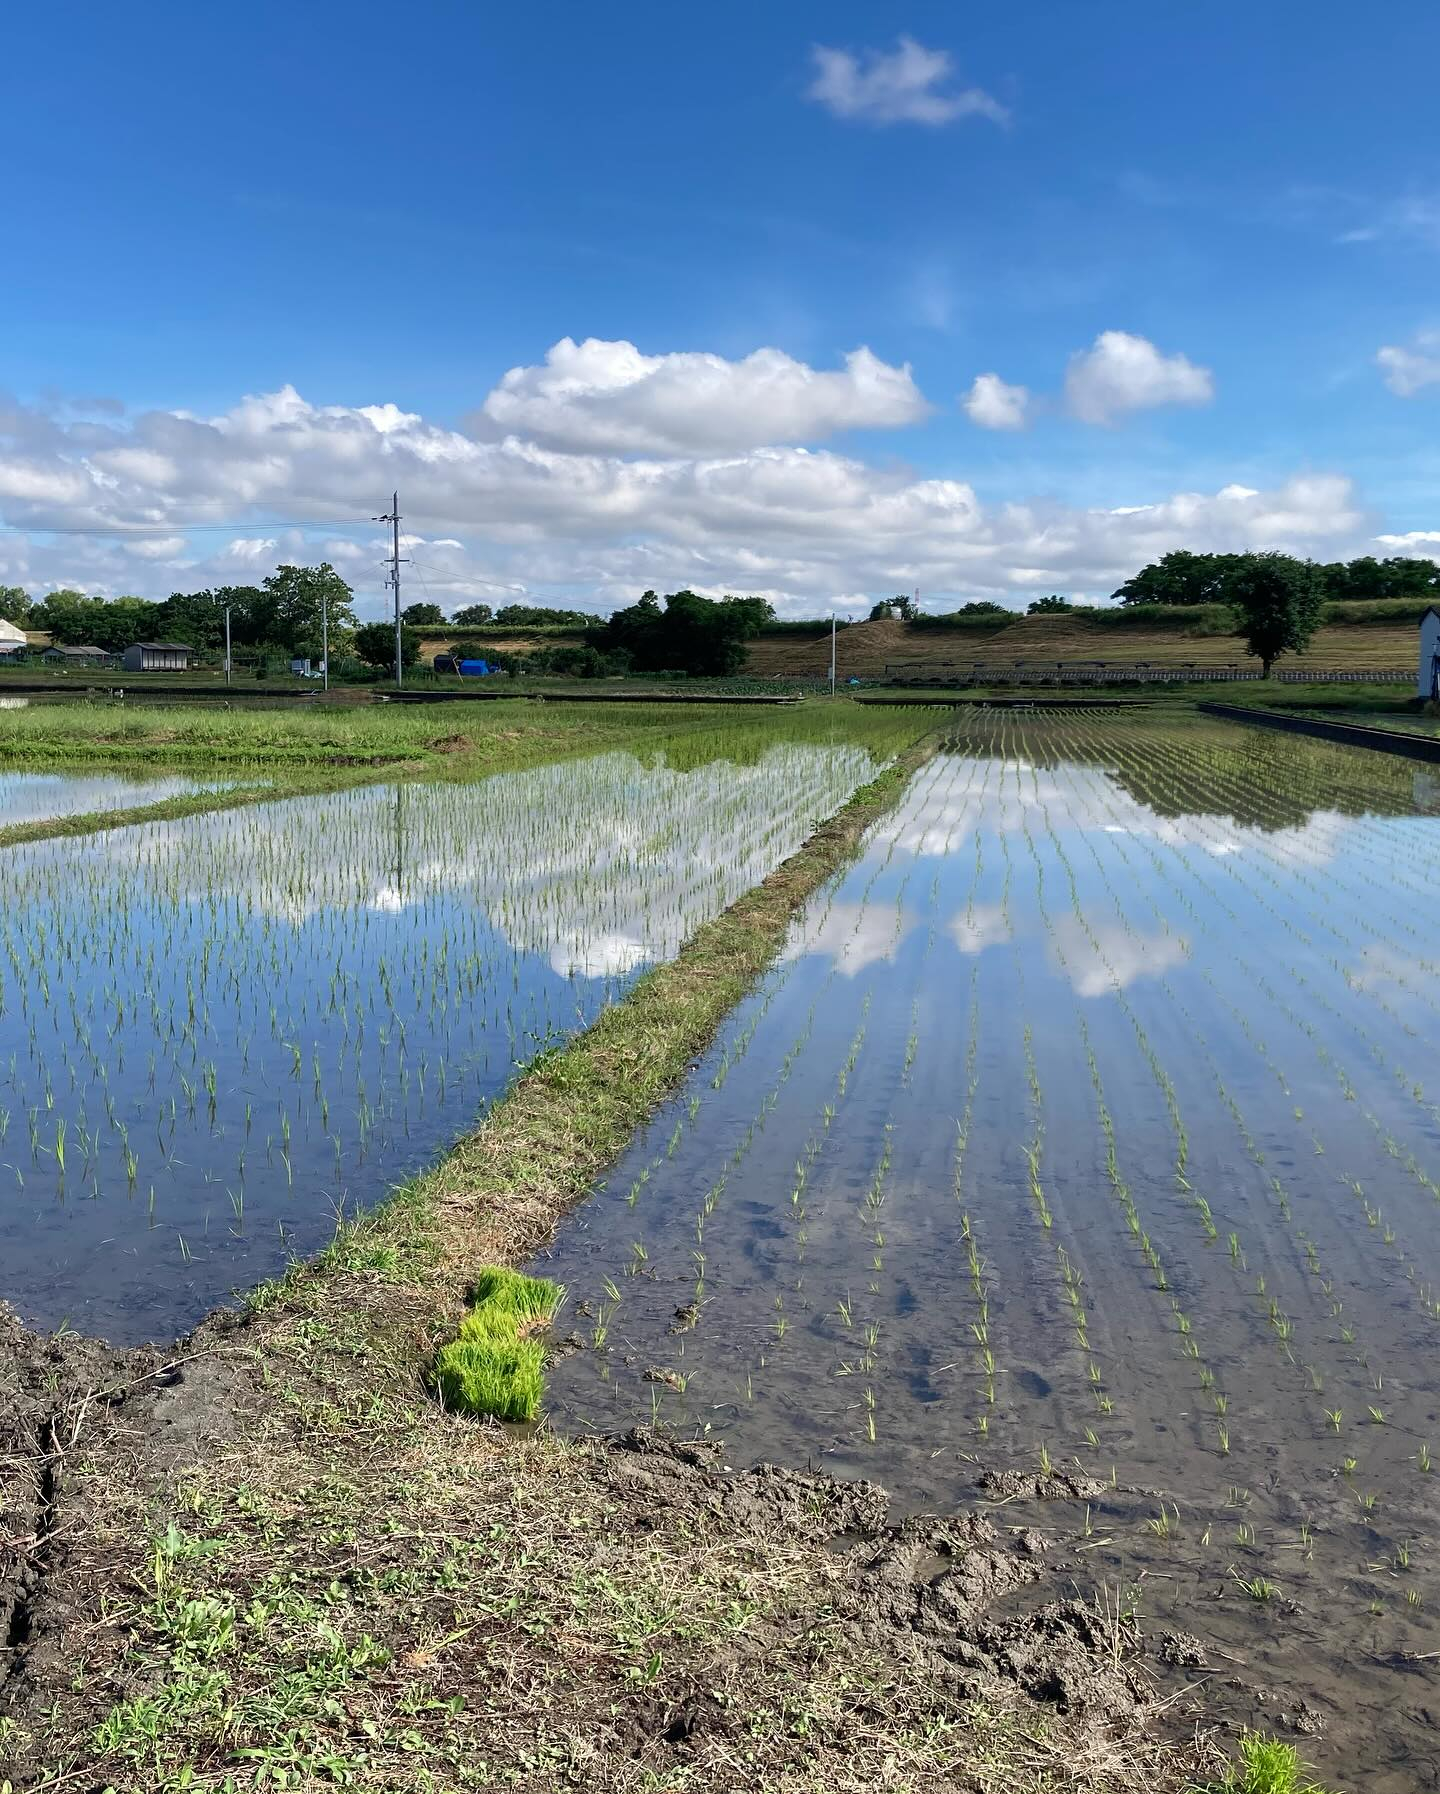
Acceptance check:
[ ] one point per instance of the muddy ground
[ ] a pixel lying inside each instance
(269, 1554)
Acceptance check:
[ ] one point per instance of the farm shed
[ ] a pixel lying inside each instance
(78, 655)
(1429, 681)
(11, 636)
(157, 657)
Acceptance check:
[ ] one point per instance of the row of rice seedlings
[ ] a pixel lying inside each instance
(1183, 1329)
(1071, 1280)
(796, 1213)
(1281, 1323)
(1389, 1143)
(1383, 1231)
(1333, 1416)
(977, 1270)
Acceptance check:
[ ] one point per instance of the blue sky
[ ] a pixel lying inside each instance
(1204, 241)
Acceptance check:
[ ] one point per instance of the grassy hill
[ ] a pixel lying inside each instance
(866, 650)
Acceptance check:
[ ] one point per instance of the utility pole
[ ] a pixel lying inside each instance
(392, 517)
(227, 644)
(325, 637)
(832, 654)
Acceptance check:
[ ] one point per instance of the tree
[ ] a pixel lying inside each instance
(1365, 578)
(982, 607)
(470, 616)
(690, 635)
(1277, 602)
(15, 605)
(375, 644)
(74, 620)
(532, 614)
(294, 601)
(1179, 577)
(1046, 607)
(423, 615)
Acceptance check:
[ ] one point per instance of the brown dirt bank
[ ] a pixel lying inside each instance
(281, 1557)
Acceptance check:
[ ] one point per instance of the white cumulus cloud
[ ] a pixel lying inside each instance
(514, 518)
(994, 405)
(610, 397)
(1410, 367)
(1121, 372)
(906, 85)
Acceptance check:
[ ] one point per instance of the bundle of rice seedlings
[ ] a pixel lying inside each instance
(491, 1368)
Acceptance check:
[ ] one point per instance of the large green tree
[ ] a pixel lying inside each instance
(1179, 577)
(1277, 602)
(295, 600)
(423, 616)
(375, 645)
(690, 634)
(15, 606)
(539, 614)
(472, 616)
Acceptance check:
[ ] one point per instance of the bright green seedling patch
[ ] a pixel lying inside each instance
(1266, 1766)
(492, 1368)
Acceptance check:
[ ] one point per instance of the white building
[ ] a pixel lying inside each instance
(1429, 684)
(12, 639)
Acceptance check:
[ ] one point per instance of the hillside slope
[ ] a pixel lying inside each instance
(866, 650)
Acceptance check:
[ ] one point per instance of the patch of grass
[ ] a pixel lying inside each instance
(1266, 1766)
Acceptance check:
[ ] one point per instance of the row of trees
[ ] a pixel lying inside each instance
(1185, 578)
(283, 615)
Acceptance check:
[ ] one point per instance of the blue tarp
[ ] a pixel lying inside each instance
(475, 669)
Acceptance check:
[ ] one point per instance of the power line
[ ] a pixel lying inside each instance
(175, 529)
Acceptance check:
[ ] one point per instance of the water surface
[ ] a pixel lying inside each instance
(1093, 1115)
(219, 1033)
(47, 796)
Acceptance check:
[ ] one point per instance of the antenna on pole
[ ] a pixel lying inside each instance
(392, 517)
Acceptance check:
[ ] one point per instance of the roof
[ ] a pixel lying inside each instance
(10, 632)
(164, 647)
(86, 651)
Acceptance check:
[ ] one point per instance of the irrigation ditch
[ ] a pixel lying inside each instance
(263, 1556)
(1385, 741)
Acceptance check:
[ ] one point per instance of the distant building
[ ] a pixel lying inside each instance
(1429, 684)
(11, 636)
(78, 655)
(158, 657)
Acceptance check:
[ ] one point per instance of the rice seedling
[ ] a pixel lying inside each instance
(493, 1368)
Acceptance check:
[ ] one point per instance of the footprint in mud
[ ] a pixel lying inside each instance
(1032, 1383)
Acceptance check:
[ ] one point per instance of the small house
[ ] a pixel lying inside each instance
(157, 657)
(76, 655)
(1429, 680)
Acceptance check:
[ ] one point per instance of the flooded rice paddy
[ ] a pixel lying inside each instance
(218, 1033)
(1091, 1122)
(46, 796)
